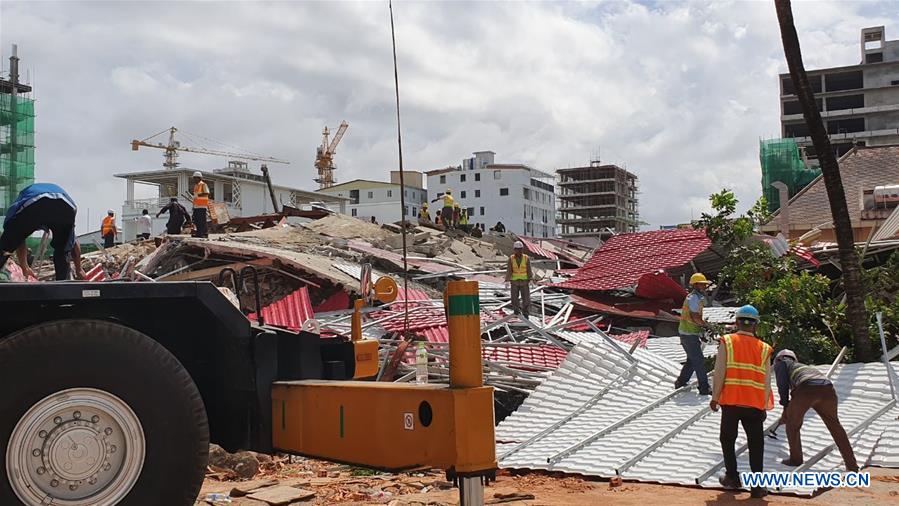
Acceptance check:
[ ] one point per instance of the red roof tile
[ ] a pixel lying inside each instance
(640, 336)
(621, 260)
(533, 245)
(542, 355)
(628, 308)
(290, 312)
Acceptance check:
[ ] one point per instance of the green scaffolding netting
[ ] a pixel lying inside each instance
(16, 148)
(781, 161)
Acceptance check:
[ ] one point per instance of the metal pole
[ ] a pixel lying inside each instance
(610, 340)
(836, 361)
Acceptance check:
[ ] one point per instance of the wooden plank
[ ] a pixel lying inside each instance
(214, 271)
(281, 494)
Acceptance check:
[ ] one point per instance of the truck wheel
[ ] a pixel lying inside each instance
(95, 413)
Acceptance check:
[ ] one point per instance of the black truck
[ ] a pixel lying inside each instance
(113, 391)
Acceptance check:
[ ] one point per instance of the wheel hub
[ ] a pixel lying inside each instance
(77, 447)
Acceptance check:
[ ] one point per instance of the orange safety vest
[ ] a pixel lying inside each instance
(746, 372)
(519, 269)
(201, 195)
(108, 226)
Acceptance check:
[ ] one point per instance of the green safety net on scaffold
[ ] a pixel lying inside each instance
(781, 161)
(16, 148)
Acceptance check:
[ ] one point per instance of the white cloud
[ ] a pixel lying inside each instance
(678, 92)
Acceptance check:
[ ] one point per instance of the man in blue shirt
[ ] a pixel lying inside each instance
(42, 206)
(690, 330)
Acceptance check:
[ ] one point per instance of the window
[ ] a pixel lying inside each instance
(844, 81)
(503, 192)
(414, 211)
(526, 193)
(497, 174)
(847, 102)
(796, 130)
(228, 191)
(414, 195)
(477, 194)
(470, 212)
(482, 211)
(874, 58)
(846, 125)
(789, 89)
(371, 195)
(354, 196)
(353, 212)
(894, 83)
(462, 194)
(442, 179)
(477, 177)
(462, 178)
(389, 193)
(793, 107)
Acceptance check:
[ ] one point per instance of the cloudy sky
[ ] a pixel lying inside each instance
(678, 92)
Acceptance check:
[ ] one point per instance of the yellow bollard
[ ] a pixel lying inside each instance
(464, 319)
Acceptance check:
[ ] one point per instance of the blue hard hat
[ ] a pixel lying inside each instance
(748, 312)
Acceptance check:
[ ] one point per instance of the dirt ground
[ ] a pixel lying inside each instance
(337, 484)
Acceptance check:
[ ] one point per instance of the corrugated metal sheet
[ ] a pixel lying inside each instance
(621, 261)
(890, 227)
(723, 315)
(668, 348)
(628, 308)
(290, 312)
(688, 454)
(533, 246)
(542, 355)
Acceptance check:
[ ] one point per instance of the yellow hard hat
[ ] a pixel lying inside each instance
(456, 204)
(449, 190)
(699, 278)
(425, 205)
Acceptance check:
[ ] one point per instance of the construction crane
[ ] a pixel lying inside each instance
(324, 156)
(173, 147)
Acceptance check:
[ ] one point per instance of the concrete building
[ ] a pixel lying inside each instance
(379, 199)
(521, 197)
(243, 192)
(859, 103)
(597, 201)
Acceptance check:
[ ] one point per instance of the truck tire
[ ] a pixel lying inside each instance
(96, 413)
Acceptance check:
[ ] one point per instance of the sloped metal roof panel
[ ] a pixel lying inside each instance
(669, 456)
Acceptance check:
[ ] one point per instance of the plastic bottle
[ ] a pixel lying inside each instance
(217, 498)
(421, 364)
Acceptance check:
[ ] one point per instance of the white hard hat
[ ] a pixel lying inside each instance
(518, 245)
(782, 354)
(198, 174)
(110, 211)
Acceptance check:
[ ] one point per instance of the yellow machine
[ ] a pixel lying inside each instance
(399, 426)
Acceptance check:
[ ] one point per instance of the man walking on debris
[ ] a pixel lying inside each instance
(201, 203)
(743, 391)
(144, 225)
(108, 229)
(810, 389)
(690, 330)
(423, 213)
(178, 216)
(446, 215)
(519, 276)
(42, 206)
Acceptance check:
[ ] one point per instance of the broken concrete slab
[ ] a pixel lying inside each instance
(281, 494)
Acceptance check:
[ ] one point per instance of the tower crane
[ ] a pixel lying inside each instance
(324, 156)
(173, 147)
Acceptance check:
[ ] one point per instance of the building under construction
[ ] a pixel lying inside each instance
(16, 134)
(597, 201)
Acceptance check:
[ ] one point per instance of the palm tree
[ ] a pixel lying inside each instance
(855, 299)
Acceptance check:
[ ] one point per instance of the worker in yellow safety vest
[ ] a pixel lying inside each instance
(690, 330)
(446, 214)
(519, 276)
(423, 214)
(108, 229)
(201, 204)
(742, 389)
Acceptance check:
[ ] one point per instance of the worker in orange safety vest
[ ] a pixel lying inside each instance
(108, 229)
(201, 204)
(742, 389)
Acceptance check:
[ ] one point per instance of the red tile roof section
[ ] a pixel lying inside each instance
(533, 246)
(290, 312)
(621, 261)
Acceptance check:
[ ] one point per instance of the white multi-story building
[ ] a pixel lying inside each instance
(521, 197)
(243, 192)
(381, 200)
